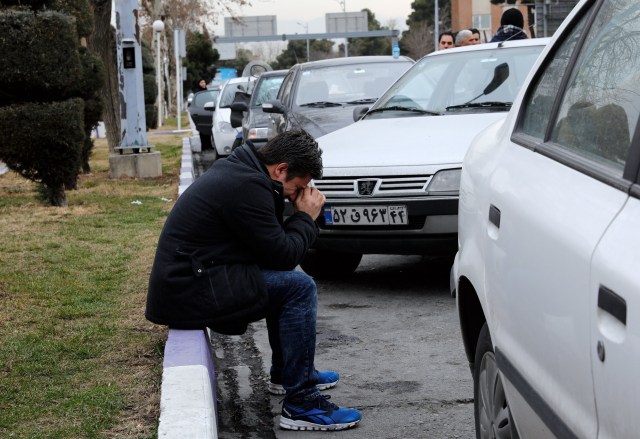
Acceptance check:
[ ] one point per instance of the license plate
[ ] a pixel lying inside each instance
(365, 215)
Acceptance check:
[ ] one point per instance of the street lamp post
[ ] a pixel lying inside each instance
(343, 3)
(158, 27)
(306, 29)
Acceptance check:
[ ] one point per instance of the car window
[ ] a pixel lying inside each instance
(436, 83)
(537, 108)
(346, 83)
(600, 107)
(229, 92)
(285, 89)
(202, 98)
(267, 90)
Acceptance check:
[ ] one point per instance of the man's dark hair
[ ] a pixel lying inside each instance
(298, 150)
(453, 37)
(474, 30)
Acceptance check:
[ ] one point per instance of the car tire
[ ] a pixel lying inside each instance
(205, 142)
(330, 265)
(490, 406)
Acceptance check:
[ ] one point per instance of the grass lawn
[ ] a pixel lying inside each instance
(77, 357)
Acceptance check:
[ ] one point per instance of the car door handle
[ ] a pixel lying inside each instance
(494, 215)
(613, 304)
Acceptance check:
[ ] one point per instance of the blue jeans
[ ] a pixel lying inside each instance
(291, 322)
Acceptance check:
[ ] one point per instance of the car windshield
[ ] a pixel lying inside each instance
(201, 98)
(348, 83)
(455, 82)
(229, 92)
(267, 89)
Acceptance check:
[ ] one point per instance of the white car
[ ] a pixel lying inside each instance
(547, 277)
(223, 134)
(391, 179)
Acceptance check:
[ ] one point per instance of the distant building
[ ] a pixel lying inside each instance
(485, 16)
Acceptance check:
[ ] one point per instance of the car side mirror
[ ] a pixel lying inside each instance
(275, 107)
(239, 106)
(359, 112)
(210, 106)
(500, 74)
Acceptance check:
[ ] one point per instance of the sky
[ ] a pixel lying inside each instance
(311, 13)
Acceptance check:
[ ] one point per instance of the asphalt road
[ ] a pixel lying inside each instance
(391, 331)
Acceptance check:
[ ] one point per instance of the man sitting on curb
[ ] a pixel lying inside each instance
(226, 258)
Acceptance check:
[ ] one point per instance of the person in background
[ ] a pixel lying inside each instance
(511, 26)
(466, 38)
(226, 257)
(201, 85)
(446, 41)
(476, 35)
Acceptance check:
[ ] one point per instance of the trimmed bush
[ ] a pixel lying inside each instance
(43, 142)
(39, 57)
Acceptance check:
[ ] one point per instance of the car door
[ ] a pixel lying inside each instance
(615, 275)
(279, 121)
(615, 344)
(559, 189)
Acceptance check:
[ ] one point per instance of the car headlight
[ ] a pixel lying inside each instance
(258, 133)
(225, 127)
(446, 182)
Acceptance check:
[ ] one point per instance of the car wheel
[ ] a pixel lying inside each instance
(330, 265)
(205, 142)
(491, 408)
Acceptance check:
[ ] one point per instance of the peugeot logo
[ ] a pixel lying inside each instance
(366, 187)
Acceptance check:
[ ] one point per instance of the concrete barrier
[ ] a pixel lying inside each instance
(188, 393)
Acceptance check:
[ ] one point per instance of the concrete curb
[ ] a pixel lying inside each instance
(188, 393)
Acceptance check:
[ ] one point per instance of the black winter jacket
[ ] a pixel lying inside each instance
(230, 215)
(508, 33)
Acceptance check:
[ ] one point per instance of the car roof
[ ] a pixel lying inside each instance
(350, 60)
(274, 73)
(488, 46)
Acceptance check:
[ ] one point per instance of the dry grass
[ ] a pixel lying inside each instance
(77, 357)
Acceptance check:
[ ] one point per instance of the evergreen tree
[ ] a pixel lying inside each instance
(48, 92)
(201, 58)
(370, 45)
(296, 52)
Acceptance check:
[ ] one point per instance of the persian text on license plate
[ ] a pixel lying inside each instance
(365, 215)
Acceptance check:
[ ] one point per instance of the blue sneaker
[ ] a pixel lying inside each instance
(319, 414)
(326, 380)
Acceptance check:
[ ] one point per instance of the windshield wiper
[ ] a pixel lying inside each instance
(400, 108)
(363, 101)
(322, 104)
(482, 105)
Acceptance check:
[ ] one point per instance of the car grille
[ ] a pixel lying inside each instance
(340, 187)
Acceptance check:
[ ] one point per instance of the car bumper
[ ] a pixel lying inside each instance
(431, 230)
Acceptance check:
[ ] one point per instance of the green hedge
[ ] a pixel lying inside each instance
(40, 58)
(43, 141)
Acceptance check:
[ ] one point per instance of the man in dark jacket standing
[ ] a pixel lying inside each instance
(511, 27)
(226, 258)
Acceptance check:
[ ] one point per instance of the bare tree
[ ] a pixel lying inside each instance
(419, 40)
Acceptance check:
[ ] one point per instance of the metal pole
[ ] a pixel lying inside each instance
(436, 25)
(176, 46)
(159, 79)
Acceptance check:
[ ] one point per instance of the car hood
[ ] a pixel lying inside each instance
(321, 121)
(404, 141)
